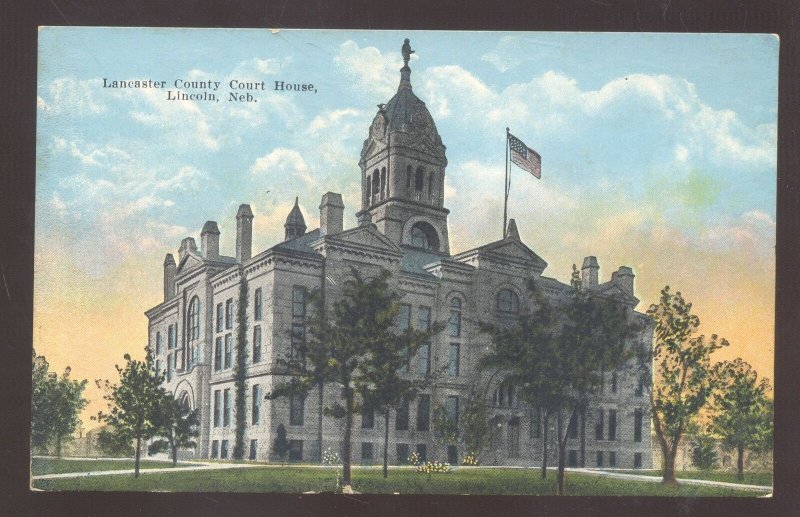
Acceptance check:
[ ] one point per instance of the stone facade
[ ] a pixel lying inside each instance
(402, 228)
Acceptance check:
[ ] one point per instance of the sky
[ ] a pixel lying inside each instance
(658, 152)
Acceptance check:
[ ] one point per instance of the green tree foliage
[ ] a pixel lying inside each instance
(309, 368)
(56, 405)
(741, 413)
(704, 452)
(683, 374)
(240, 372)
(176, 426)
(132, 402)
(476, 427)
(114, 444)
(556, 356)
(281, 446)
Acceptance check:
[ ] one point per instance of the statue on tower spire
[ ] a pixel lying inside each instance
(406, 52)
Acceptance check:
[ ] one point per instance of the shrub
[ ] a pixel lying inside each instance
(330, 457)
(470, 460)
(433, 467)
(413, 459)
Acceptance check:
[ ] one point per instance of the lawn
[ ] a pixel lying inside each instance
(750, 478)
(304, 479)
(41, 466)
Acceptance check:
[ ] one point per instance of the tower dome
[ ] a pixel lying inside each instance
(295, 223)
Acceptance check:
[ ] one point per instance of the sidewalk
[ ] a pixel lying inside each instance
(657, 479)
(196, 467)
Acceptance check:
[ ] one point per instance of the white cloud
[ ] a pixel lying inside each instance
(284, 164)
(370, 70)
(73, 96)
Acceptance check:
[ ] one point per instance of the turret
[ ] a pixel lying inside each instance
(295, 223)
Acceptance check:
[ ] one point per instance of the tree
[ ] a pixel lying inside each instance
(132, 402)
(704, 451)
(557, 356)
(309, 368)
(740, 410)
(683, 376)
(240, 371)
(56, 404)
(475, 429)
(361, 321)
(281, 446)
(176, 425)
(387, 378)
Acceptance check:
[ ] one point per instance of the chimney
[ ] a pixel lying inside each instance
(244, 233)
(589, 272)
(623, 278)
(209, 240)
(331, 214)
(187, 245)
(170, 269)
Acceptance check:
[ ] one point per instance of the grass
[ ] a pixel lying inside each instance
(41, 466)
(750, 478)
(462, 481)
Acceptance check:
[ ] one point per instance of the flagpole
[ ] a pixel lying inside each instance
(506, 186)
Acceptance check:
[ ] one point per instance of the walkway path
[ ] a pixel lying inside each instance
(657, 479)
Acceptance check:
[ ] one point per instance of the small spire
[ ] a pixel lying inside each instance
(512, 232)
(295, 222)
(405, 72)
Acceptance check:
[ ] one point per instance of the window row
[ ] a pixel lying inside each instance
(172, 331)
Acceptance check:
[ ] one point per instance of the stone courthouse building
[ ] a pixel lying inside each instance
(402, 227)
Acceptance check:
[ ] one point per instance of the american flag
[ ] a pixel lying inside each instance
(525, 157)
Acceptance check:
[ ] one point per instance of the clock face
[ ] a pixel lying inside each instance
(378, 128)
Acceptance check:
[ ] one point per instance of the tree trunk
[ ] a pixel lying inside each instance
(138, 455)
(319, 422)
(562, 445)
(583, 437)
(58, 446)
(348, 432)
(386, 447)
(174, 455)
(740, 463)
(669, 465)
(544, 446)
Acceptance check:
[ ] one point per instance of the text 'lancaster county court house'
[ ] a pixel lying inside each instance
(402, 227)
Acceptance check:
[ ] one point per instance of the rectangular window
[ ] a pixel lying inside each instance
(224, 452)
(513, 438)
(453, 366)
(424, 355)
(296, 409)
(422, 452)
(452, 408)
(253, 449)
(637, 425)
(600, 459)
(298, 301)
(367, 418)
(637, 460)
(228, 350)
(170, 365)
(256, 344)
(640, 388)
(298, 339)
(612, 424)
(612, 459)
(226, 408)
(572, 458)
(366, 452)
(229, 313)
(424, 413)
(158, 367)
(258, 304)
(296, 450)
(172, 332)
(256, 404)
(455, 322)
(401, 418)
(402, 453)
(536, 423)
(158, 342)
(424, 319)
(613, 382)
(598, 425)
(218, 354)
(220, 317)
(215, 449)
(217, 407)
(404, 317)
(572, 429)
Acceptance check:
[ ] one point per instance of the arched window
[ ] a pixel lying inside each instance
(376, 181)
(430, 184)
(383, 182)
(455, 317)
(419, 181)
(409, 174)
(507, 301)
(369, 187)
(194, 319)
(184, 401)
(424, 236)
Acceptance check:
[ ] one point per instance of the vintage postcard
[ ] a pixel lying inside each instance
(407, 262)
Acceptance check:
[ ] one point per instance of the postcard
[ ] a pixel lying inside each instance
(408, 262)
